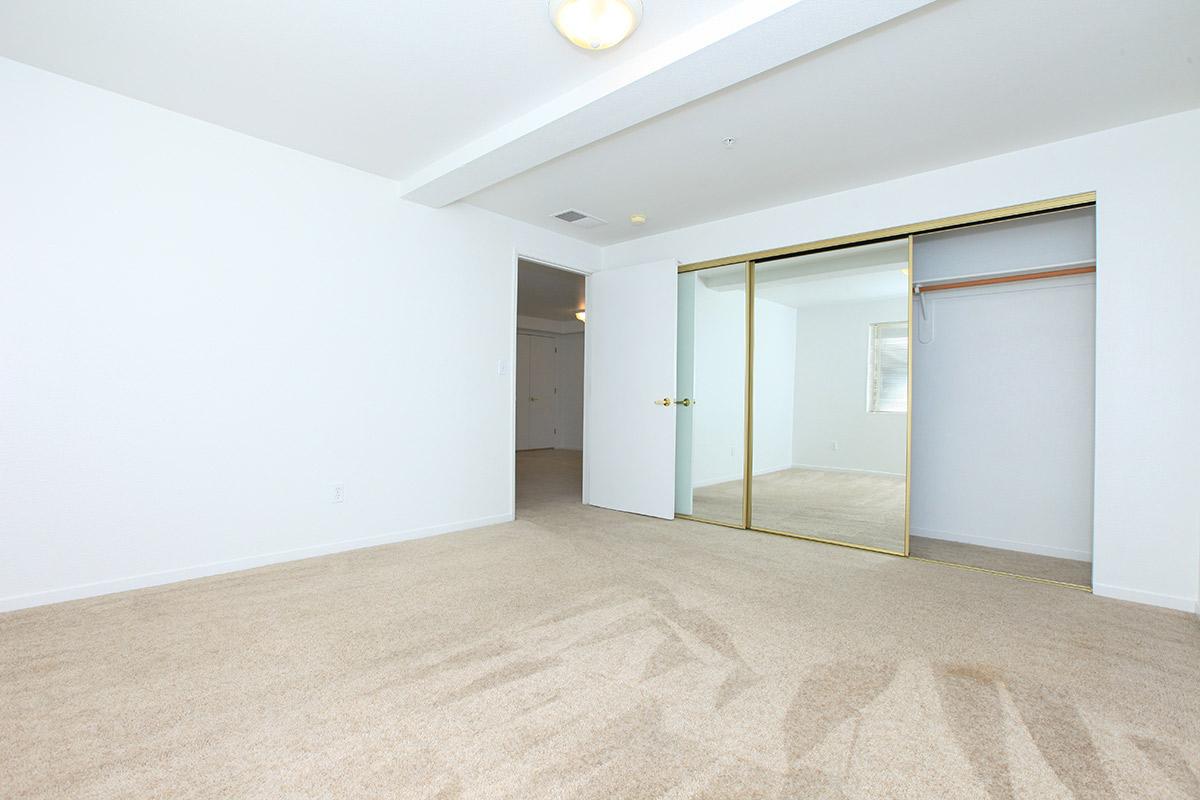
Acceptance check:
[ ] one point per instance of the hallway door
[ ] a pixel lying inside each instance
(537, 392)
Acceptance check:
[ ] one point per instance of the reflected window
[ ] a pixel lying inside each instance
(888, 359)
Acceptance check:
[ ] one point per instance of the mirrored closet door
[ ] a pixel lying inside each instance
(798, 372)
(830, 396)
(710, 402)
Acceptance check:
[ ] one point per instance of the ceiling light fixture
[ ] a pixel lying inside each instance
(637, 219)
(581, 315)
(596, 24)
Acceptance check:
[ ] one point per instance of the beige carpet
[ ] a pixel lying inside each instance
(1034, 566)
(581, 653)
(853, 507)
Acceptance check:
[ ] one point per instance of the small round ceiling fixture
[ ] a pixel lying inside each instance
(596, 24)
(637, 219)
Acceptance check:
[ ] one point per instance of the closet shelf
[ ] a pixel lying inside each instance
(1011, 277)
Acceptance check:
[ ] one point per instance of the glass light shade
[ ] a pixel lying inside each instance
(596, 24)
(581, 316)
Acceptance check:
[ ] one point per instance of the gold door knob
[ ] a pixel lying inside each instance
(685, 402)
(666, 401)
(532, 399)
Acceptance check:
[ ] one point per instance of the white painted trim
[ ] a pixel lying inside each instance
(585, 495)
(739, 476)
(1005, 544)
(715, 481)
(149, 579)
(1146, 598)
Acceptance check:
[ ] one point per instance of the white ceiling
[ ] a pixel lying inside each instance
(483, 99)
(548, 293)
(383, 86)
(955, 81)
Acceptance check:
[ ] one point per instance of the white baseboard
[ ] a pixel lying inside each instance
(849, 469)
(1004, 544)
(738, 477)
(1147, 598)
(146, 580)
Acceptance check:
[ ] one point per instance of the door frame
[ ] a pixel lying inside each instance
(518, 255)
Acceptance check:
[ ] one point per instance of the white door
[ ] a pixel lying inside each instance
(543, 391)
(630, 446)
(537, 391)
(523, 404)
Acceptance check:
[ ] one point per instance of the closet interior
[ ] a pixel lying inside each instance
(926, 392)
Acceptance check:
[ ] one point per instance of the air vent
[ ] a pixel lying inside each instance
(579, 219)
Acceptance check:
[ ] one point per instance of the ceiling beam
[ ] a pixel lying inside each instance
(730, 47)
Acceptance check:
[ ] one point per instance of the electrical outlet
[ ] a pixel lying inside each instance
(833, 446)
(339, 493)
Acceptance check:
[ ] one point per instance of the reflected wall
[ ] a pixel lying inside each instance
(830, 396)
(710, 407)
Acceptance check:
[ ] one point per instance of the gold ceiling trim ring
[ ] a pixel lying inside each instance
(901, 231)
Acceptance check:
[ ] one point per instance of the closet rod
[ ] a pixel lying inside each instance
(1025, 276)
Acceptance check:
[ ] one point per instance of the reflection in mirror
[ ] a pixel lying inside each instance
(710, 391)
(830, 395)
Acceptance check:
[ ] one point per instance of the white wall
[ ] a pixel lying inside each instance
(832, 356)
(1147, 510)
(201, 333)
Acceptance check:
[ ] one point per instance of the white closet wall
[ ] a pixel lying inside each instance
(1004, 389)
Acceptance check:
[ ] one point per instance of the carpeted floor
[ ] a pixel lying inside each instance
(582, 653)
(1034, 566)
(855, 507)
(864, 509)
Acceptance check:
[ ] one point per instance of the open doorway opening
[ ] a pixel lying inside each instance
(549, 371)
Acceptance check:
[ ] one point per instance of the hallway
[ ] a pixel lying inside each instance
(548, 479)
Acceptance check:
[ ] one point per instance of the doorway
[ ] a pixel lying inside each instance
(549, 386)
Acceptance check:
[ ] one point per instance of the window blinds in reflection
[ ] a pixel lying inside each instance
(889, 368)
